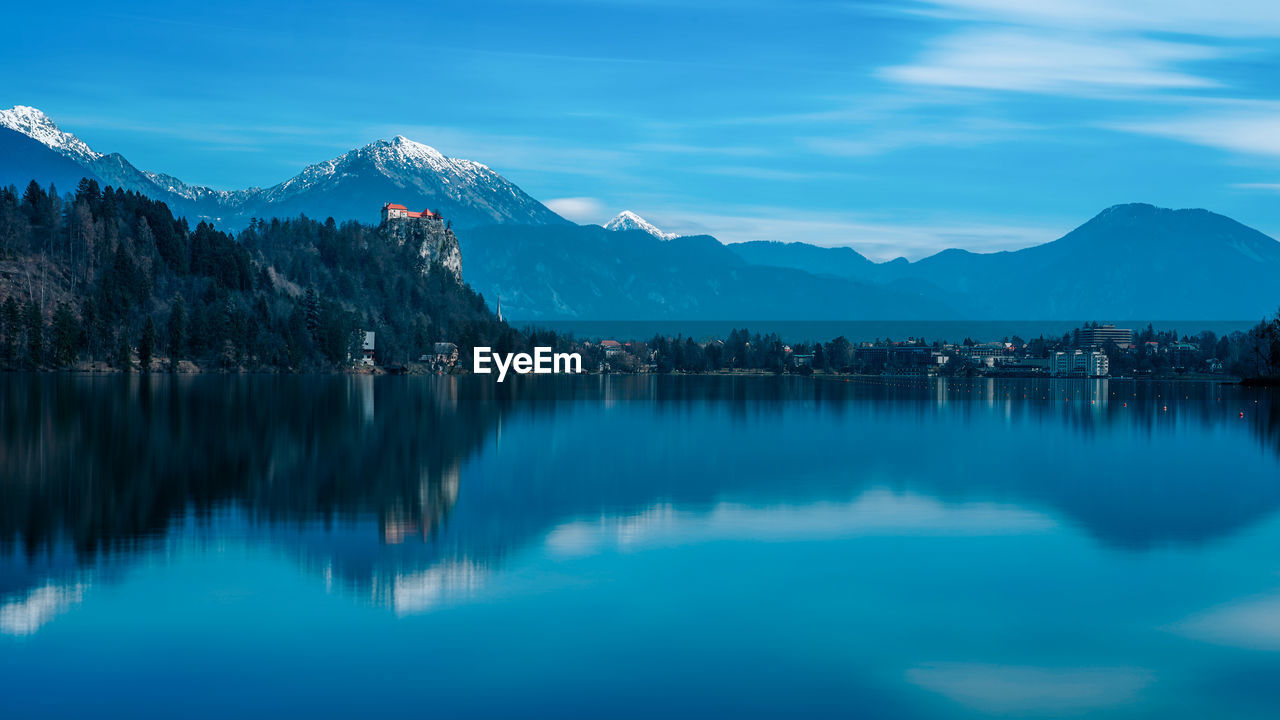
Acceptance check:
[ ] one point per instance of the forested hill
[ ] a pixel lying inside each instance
(111, 278)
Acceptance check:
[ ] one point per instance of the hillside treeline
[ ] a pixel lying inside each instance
(112, 278)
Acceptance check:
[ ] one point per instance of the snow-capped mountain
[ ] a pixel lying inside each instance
(356, 184)
(352, 186)
(627, 220)
(36, 125)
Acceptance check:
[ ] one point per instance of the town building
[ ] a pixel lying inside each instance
(1086, 363)
(1018, 366)
(1101, 335)
(393, 211)
(442, 357)
(895, 355)
(445, 352)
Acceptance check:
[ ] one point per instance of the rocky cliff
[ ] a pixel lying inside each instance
(433, 240)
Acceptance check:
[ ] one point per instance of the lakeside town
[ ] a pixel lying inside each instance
(1094, 350)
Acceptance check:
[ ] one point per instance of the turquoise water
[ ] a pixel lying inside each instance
(637, 546)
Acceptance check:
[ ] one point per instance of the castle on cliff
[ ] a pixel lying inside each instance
(392, 211)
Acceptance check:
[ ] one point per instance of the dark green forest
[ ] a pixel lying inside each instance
(111, 278)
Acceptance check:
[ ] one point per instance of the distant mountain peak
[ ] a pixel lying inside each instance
(400, 155)
(627, 220)
(33, 123)
(409, 148)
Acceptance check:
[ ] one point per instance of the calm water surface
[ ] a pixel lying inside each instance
(637, 547)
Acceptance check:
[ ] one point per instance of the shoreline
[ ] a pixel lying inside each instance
(1265, 382)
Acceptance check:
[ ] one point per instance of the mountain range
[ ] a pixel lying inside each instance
(1130, 261)
(351, 186)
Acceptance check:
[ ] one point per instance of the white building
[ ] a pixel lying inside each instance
(366, 349)
(1089, 363)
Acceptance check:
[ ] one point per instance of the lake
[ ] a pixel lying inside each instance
(637, 546)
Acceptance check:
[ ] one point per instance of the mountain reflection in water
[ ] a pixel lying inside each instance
(422, 492)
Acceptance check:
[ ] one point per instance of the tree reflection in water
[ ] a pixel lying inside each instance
(360, 478)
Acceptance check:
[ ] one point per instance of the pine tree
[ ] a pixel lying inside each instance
(147, 345)
(312, 304)
(66, 336)
(177, 329)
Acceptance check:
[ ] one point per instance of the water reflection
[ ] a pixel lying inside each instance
(408, 491)
(563, 546)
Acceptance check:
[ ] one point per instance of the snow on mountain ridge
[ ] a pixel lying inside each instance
(399, 168)
(397, 159)
(36, 125)
(627, 220)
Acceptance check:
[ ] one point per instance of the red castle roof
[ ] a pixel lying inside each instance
(408, 212)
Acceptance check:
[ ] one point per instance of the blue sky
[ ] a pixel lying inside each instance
(898, 128)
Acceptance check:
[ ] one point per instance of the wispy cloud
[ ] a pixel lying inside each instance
(1047, 61)
(1267, 187)
(1246, 128)
(1224, 18)
(577, 209)
(1132, 56)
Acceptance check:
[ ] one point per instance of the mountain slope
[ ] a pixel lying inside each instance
(586, 272)
(36, 125)
(1135, 261)
(352, 186)
(23, 159)
(839, 261)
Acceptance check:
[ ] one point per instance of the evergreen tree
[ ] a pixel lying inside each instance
(93, 330)
(312, 305)
(177, 329)
(147, 345)
(66, 336)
